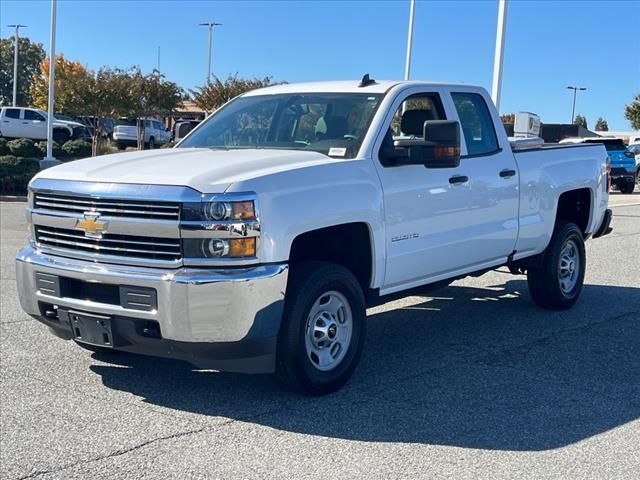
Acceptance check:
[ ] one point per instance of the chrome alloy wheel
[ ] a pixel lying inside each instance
(569, 267)
(328, 330)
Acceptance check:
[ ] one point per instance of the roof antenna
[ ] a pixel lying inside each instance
(366, 81)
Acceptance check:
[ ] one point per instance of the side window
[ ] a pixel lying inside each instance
(31, 115)
(408, 121)
(476, 123)
(12, 113)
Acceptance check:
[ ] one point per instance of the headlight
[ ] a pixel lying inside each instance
(219, 247)
(218, 211)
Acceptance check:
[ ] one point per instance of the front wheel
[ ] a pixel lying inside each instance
(557, 282)
(323, 329)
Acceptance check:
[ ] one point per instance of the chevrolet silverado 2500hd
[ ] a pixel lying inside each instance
(256, 244)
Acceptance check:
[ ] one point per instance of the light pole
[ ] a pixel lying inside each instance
(211, 25)
(575, 89)
(49, 160)
(407, 64)
(498, 58)
(17, 26)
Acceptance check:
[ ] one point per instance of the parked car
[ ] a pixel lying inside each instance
(635, 149)
(183, 127)
(21, 122)
(623, 164)
(256, 244)
(106, 125)
(125, 133)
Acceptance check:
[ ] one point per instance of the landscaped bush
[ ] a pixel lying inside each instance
(57, 150)
(23, 147)
(15, 174)
(4, 150)
(77, 149)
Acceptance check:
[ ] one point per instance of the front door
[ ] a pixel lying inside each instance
(34, 125)
(426, 211)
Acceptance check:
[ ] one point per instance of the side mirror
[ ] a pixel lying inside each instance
(439, 148)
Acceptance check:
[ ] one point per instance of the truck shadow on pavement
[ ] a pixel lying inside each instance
(467, 367)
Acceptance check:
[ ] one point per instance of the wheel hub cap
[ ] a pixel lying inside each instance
(569, 267)
(329, 330)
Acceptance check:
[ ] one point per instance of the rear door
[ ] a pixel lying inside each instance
(489, 163)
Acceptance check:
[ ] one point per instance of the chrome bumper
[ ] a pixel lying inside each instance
(203, 305)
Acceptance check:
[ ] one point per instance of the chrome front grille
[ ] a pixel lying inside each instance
(131, 246)
(108, 207)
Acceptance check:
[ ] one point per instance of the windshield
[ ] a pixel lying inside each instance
(331, 123)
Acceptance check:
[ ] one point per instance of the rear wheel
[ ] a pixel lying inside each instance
(323, 329)
(627, 187)
(557, 282)
(152, 143)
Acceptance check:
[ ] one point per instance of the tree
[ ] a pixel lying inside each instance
(30, 55)
(632, 112)
(72, 86)
(580, 120)
(508, 118)
(602, 125)
(213, 95)
(150, 95)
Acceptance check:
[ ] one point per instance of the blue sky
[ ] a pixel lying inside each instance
(550, 44)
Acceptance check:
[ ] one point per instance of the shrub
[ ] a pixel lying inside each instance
(15, 174)
(57, 150)
(23, 147)
(77, 149)
(4, 150)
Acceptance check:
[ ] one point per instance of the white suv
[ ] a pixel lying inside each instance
(125, 133)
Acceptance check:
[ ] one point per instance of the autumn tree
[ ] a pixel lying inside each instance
(72, 86)
(30, 56)
(632, 112)
(508, 118)
(212, 96)
(581, 121)
(602, 125)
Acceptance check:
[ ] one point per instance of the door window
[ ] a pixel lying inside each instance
(31, 115)
(476, 123)
(12, 113)
(408, 121)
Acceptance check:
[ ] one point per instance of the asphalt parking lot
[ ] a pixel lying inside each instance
(473, 382)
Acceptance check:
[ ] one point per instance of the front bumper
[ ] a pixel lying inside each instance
(226, 319)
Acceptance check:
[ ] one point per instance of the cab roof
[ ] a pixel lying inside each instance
(348, 86)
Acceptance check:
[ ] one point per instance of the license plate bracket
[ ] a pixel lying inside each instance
(91, 328)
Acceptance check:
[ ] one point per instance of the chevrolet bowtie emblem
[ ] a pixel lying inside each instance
(92, 227)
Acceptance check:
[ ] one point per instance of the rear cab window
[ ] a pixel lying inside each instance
(476, 123)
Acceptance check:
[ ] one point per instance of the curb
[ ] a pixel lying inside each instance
(13, 198)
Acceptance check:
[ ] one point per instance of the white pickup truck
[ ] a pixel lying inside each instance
(256, 244)
(20, 122)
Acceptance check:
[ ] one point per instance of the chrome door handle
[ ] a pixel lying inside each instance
(458, 179)
(506, 173)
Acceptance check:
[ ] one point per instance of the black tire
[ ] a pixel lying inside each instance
(152, 143)
(295, 369)
(627, 187)
(545, 284)
(97, 349)
(121, 146)
(61, 137)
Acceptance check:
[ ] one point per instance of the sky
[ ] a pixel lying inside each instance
(549, 44)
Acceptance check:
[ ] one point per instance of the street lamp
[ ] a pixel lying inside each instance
(498, 58)
(407, 64)
(575, 89)
(49, 160)
(17, 26)
(211, 25)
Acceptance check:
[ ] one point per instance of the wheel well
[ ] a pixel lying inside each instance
(348, 245)
(575, 206)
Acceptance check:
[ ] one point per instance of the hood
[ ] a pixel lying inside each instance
(206, 170)
(67, 123)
